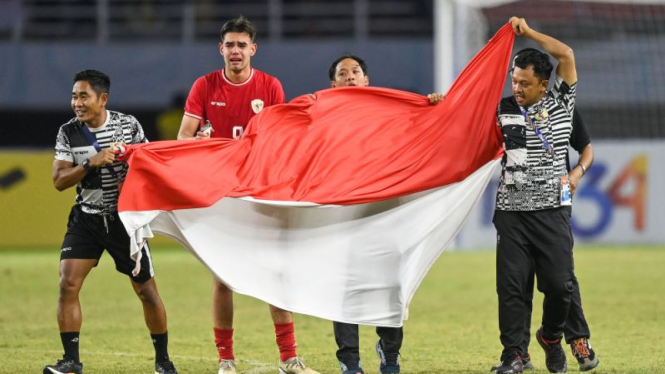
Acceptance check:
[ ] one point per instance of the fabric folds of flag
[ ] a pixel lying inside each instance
(335, 204)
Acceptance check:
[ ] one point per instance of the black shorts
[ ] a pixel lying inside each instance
(88, 235)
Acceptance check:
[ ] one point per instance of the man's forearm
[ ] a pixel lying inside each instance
(188, 128)
(68, 177)
(555, 47)
(563, 53)
(586, 157)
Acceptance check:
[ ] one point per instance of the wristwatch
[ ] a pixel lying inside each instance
(583, 168)
(86, 165)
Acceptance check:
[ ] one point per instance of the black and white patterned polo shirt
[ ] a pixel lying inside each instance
(98, 191)
(531, 175)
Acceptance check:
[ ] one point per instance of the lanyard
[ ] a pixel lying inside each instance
(93, 140)
(546, 144)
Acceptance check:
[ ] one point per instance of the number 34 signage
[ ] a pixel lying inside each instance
(621, 199)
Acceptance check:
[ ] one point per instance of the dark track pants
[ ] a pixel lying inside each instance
(539, 240)
(348, 342)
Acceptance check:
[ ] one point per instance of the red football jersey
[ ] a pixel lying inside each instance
(229, 106)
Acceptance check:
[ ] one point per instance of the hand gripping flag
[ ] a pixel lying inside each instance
(335, 204)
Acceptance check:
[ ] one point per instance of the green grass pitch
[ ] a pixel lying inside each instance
(452, 326)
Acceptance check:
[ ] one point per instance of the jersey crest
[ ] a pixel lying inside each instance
(257, 105)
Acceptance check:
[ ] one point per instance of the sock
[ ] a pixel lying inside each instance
(161, 343)
(70, 342)
(224, 343)
(286, 340)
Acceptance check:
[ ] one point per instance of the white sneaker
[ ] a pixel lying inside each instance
(227, 367)
(295, 365)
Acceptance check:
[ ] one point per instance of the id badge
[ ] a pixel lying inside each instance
(565, 192)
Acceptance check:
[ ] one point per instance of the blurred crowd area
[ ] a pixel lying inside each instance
(191, 21)
(155, 49)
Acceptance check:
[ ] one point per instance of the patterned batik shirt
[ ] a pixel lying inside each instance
(98, 192)
(531, 175)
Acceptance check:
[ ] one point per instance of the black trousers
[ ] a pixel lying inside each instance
(539, 242)
(348, 342)
(576, 325)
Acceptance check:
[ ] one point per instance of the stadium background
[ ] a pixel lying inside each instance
(154, 50)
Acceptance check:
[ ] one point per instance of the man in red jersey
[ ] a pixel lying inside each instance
(230, 97)
(226, 100)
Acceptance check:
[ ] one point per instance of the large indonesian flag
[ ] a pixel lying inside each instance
(334, 205)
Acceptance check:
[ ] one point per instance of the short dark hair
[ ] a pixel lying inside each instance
(240, 24)
(333, 67)
(99, 81)
(542, 67)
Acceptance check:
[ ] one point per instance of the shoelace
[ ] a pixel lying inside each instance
(580, 348)
(508, 360)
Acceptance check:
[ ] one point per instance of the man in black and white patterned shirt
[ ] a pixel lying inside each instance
(532, 214)
(85, 158)
(576, 330)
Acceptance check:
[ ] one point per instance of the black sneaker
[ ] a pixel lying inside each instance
(389, 363)
(526, 362)
(584, 354)
(64, 366)
(165, 367)
(555, 357)
(511, 363)
(351, 370)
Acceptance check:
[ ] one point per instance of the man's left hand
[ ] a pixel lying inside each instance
(574, 179)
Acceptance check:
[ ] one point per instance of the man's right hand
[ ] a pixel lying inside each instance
(103, 158)
(519, 25)
(202, 135)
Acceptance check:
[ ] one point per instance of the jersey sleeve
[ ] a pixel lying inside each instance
(277, 92)
(579, 137)
(138, 136)
(565, 94)
(63, 148)
(195, 104)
